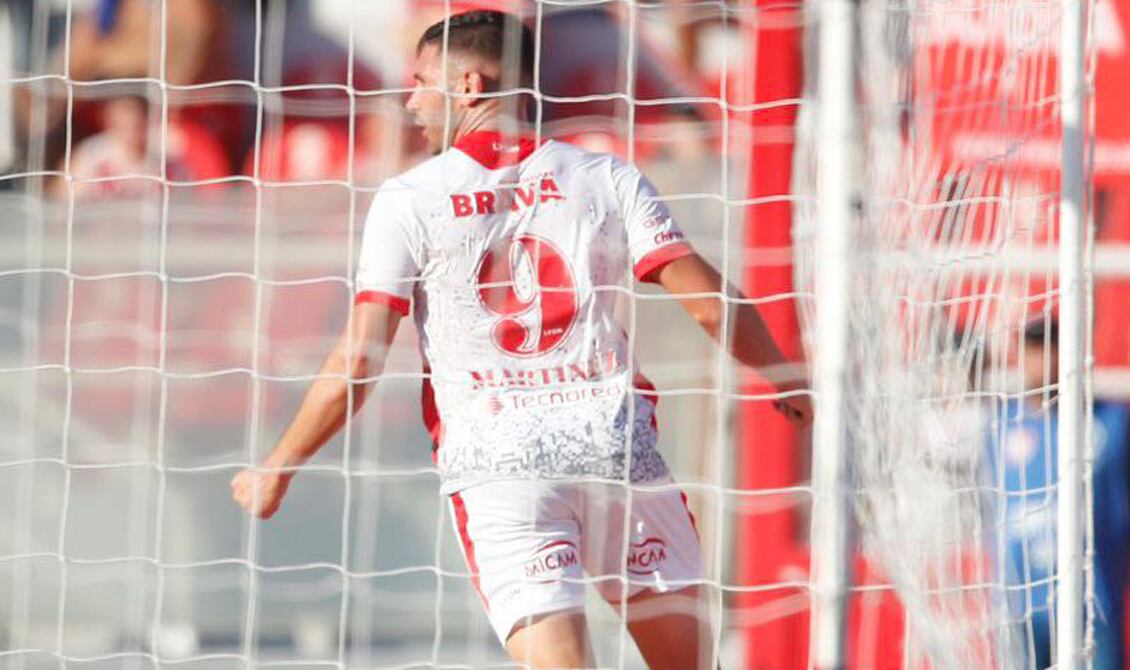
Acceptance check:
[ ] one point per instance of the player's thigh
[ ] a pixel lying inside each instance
(672, 630)
(554, 640)
(522, 545)
(642, 550)
(638, 540)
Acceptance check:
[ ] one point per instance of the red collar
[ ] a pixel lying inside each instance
(494, 150)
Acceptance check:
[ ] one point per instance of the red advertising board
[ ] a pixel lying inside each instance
(772, 547)
(990, 77)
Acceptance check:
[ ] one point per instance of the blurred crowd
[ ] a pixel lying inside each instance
(280, 90)
(307, 97)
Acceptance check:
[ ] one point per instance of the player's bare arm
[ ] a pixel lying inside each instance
(699, 284)
(341, 387)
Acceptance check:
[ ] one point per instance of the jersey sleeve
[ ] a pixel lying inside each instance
(390, 250)
(654, 239)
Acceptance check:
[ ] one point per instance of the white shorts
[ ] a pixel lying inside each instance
(529, 544)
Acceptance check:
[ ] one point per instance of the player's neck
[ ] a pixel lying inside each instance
(488, 117)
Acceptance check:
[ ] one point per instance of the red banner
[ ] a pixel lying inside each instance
(989, 76)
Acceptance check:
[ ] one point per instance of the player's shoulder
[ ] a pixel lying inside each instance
(595, 167)
(420, 184)
(577, 157)
(423, 175)
(446, 172)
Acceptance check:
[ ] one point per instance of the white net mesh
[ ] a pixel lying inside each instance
(168, 291)
(189, 213)
(949, 423)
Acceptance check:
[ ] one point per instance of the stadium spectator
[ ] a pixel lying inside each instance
(309, 140)
(305, 125)
(702, 37)
(1026, 468)
(102, 164)
(119, 150)
(302, 151)
(120, 39)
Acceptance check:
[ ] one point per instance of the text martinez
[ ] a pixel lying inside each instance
(594, 369)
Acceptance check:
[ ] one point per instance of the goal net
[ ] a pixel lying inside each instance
(186, 183)
(186, 200)
(951, 383)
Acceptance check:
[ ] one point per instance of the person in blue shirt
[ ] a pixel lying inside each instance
(1024, 463)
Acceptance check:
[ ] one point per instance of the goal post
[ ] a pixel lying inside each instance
(958, 105)
(836, 135)
(1076, 314)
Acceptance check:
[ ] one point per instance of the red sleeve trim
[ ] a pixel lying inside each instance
(648, 266)
(397, 303)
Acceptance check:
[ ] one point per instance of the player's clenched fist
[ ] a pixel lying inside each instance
(260, 492)
(797, 409)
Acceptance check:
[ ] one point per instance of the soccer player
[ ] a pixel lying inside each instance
(510, 254)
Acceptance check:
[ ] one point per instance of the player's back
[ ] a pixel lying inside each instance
(515, 255)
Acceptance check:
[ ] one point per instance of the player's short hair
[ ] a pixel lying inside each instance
(496, 36)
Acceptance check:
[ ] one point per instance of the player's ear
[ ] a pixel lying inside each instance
(462, 89)
(476, 86)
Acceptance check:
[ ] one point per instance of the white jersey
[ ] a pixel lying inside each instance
(512, 257)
